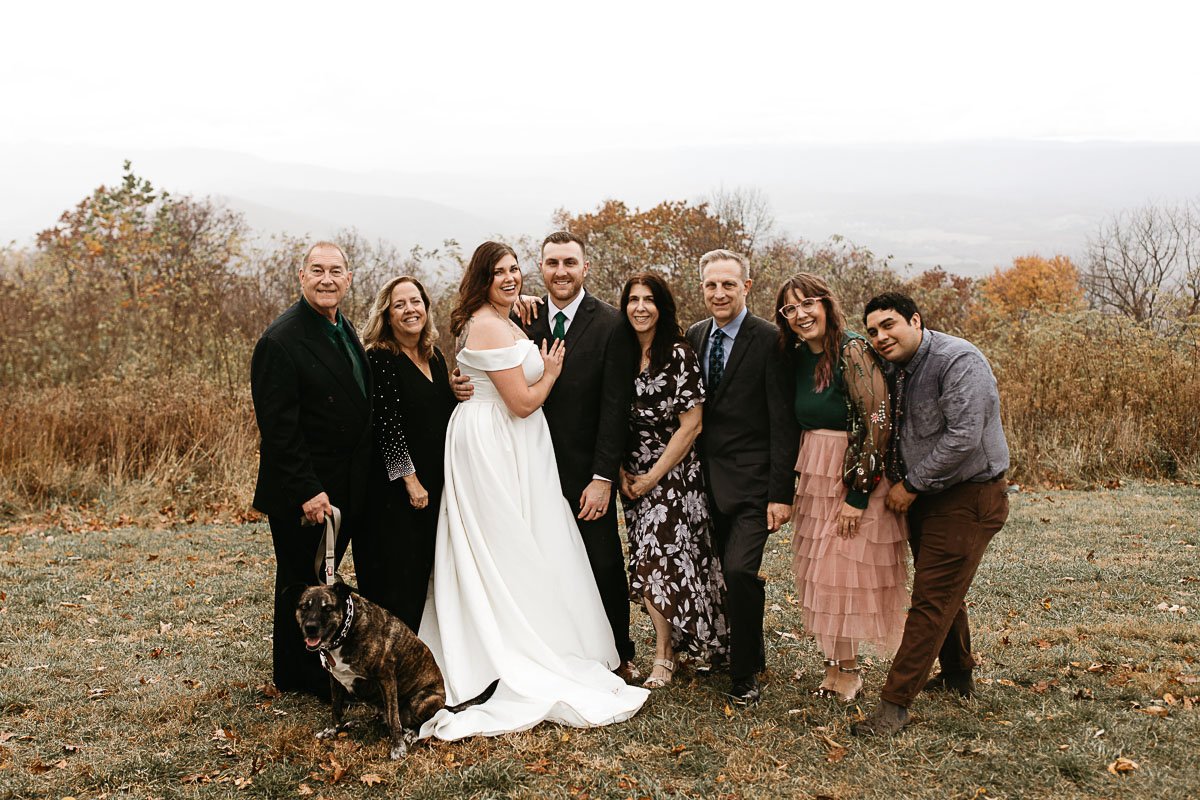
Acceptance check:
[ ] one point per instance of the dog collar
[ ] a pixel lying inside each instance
(342, 633)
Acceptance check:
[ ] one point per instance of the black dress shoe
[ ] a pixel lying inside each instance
(628, 672)
(961, 682)
(745, 690)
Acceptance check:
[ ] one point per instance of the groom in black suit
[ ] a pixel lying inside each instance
(748, 448)
(312, 398)
(588, 416)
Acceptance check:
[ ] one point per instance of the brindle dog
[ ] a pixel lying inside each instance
(374, 656)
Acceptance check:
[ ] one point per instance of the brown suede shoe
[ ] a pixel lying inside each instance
(886, 720)
(628, 672)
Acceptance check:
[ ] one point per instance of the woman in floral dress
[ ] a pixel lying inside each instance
(673, 569)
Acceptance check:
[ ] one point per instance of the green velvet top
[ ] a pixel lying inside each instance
(824, 409)
(858, 406)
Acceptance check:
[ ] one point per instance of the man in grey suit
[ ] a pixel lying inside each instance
(748, 448)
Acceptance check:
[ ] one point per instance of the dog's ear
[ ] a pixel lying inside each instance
(341, 590)
(291, 594)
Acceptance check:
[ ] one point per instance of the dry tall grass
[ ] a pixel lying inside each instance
(142, 448)
(1090, 397)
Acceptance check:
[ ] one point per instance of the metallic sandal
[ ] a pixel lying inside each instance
(822, 691)
(658, 683)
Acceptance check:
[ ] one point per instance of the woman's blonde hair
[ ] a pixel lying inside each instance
(379, 334)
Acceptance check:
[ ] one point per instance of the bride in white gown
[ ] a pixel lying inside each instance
(512, 596)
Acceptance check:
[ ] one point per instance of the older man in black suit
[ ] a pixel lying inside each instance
(312, 398)
(748, 449)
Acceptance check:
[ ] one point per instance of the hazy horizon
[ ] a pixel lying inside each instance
(966, 206)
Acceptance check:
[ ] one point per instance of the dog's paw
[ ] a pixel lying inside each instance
(401, 750)
(333, 731)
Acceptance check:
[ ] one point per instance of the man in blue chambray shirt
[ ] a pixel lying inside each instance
(948, 464)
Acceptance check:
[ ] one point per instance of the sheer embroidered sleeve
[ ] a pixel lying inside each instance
(870, 422)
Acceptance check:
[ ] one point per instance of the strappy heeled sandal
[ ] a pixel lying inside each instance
(657, 683)
(853, 695)
(822, 691)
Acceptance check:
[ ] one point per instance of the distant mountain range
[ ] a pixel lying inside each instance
(966, 206)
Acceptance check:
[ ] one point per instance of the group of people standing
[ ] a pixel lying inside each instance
(482, 505)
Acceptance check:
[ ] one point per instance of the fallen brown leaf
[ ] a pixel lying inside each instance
(370, 779)
(1122, 766)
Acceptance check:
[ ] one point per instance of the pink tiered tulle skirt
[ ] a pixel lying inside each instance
(853, 591)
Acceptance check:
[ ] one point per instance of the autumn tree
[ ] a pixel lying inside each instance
(947, 301)
(668, 238)
(1032, 283)
(140, 280)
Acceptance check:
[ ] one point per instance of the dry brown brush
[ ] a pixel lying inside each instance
(124, 357)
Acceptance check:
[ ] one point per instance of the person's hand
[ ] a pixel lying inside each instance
(848, 519)
(641, 485)
(526, 308)
(594, 500)
(316, 508)
(552, 358)
(899, 498)
(417, 496)
(777, 515)
(461, 386)
(624, 481)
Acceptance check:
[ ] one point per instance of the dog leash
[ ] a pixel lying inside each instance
(327, 560)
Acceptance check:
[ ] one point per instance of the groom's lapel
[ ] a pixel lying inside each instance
(579, 325)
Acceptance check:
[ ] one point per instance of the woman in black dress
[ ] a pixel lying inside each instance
(412, 404)
(673, 569)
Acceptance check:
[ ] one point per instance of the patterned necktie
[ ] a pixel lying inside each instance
(894, 464)
(716, 360)
(560, 326)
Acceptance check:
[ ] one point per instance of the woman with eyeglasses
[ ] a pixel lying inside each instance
(848, 550)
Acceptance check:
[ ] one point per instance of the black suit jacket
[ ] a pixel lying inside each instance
(750, 437)
(588, 408)
(314, 421)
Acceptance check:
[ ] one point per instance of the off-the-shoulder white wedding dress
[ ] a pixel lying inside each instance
(512, 596)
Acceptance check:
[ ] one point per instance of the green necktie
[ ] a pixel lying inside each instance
(347, 347)
(560, 327)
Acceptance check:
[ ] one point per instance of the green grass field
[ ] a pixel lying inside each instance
(134, 663)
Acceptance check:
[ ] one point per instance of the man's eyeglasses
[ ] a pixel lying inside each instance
(808, 305)
(319, 273)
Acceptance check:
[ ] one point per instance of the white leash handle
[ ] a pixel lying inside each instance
(327, 559)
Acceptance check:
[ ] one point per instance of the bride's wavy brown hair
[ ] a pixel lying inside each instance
(805, 284)
(473, 288)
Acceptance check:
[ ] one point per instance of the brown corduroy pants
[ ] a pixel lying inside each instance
(948, 533)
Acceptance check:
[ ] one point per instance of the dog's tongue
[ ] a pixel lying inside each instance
(312, 641)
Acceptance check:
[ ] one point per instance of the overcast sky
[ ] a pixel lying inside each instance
(443, 85)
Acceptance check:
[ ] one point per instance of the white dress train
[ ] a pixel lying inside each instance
(512, 594)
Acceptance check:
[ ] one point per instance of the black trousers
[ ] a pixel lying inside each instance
(294, 668)
(603, 544)
(740, 537)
